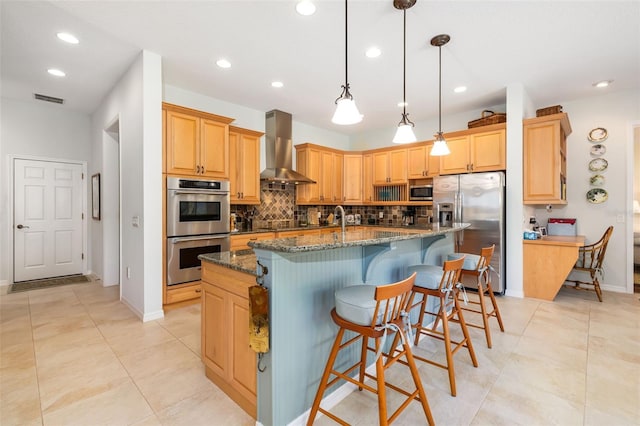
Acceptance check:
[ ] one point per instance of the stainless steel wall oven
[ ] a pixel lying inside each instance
(198, 213)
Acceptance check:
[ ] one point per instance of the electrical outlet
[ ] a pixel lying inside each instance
(381, 215)
(532, 220)
(620, 218)
(128, 273)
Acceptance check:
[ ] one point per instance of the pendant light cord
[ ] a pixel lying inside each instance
(346, 46)
(440, 89)
(404, 64)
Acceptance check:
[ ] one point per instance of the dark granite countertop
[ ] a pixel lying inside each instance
(352, 238)
(241, 260)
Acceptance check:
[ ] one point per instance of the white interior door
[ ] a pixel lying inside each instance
(47, 219)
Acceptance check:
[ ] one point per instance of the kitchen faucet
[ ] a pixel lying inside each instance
(342, 223)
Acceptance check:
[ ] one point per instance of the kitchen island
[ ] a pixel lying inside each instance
(302, 274)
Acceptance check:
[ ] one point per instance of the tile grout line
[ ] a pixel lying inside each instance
(104, 338)
(35, 358)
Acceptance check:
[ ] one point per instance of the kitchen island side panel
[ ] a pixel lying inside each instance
(301, 290)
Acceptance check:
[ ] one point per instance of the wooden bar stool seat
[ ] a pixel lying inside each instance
(479, 266)
(442, 284)
(373, 312)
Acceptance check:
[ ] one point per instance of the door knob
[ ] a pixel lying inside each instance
(21, 226)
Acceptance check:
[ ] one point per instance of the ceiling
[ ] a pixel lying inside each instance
(556, 49)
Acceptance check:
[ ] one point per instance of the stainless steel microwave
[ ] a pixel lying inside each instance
(421, 193)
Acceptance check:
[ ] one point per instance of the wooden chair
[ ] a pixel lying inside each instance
(441, 283)
(372, 312)
(479, 267)
(590, 259)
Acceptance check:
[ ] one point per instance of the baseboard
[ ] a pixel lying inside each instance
(4, 283)
(144, 317)
(614, 289)
(514, 293)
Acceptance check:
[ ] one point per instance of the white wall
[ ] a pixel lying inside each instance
(135, 101)
(38, 129)
(615, 112)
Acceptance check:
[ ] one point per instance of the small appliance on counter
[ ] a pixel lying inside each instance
(562, 226)
(357, 219)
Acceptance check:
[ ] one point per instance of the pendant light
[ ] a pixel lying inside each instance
(440, 145)
(404, 134)
(346, 110)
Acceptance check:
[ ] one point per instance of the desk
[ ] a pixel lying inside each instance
(547, 263)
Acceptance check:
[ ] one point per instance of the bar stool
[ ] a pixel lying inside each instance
(443, 284)
(478, 266)
(372, 312)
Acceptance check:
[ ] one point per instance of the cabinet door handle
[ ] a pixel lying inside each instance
(198, 169)
(198, 290)
(202, 169)
(238, 195)
(471, 167)
(242, 195)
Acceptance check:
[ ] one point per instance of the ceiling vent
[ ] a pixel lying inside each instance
(48, 98)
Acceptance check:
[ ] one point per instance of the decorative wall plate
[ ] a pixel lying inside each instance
(597, 196)
(598, 149)
(598, 134)
(598, 164)
(596, 180)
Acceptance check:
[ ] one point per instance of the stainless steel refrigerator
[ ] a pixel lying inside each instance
(478, 199)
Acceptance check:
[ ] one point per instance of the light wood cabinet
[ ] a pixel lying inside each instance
(390, 166)
(229, 361)
(353, 179)
(241, 241)
(545, 159)
(183, 292)
(367, 178)
(197, 143)
(244, 165)
(475, 151)
(325, 166)
(420, 163)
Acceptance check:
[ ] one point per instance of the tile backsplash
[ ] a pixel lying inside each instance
(279, 210)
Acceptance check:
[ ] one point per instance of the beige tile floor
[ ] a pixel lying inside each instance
(75, 355)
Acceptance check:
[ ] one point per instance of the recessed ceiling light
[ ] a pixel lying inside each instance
(56, 72)
(305, 8)
(69, 38)
(373, 52)
(403, 104)
(460, 89)
(603, 83)
(277, 84)
(223, 63)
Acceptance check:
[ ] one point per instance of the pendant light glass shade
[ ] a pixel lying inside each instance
(440, 145)
(404, 134)
(346, 110)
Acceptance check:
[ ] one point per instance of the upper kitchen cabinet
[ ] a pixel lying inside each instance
(353, 179)
(326, 167)
(545, 159)
(475, 150)
(197, 143)
(420, 164)
(390, 166)
(244, 165)
(367, 178)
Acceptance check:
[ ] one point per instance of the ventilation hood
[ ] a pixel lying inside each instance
(279, 150)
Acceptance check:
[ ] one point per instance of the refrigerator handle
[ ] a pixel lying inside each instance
(459, 218)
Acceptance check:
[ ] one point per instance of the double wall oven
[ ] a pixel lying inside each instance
(197, 222)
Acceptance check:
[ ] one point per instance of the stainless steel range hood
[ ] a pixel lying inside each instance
(279, 150)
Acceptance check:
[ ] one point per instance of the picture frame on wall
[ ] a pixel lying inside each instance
(95, 196)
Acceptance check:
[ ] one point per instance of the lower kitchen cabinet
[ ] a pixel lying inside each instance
(183, 292)
(240, 241)
(229, 361)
